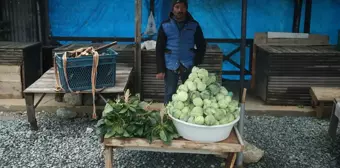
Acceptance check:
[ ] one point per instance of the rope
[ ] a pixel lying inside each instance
(93, 81)
(82, 52)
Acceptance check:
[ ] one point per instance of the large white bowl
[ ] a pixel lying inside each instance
(202, 133)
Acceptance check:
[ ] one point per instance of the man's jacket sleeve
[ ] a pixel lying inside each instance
(200, 45)
(160, 50)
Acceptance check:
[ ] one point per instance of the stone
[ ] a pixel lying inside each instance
(89, 130)
(88, 99)
(2, 150)
(251, 154)
(73, 99)
(65, 113)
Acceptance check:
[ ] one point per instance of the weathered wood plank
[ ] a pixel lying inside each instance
(231, 144)
(47, 84)
(17, 45)
(325, 94)
(10, 90)
(10, 73)
(313, 39)
(10, 82)
(287, 35)
(329, 49)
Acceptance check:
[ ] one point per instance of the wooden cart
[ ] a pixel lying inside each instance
(226, 149)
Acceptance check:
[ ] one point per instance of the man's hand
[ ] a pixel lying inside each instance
(160, 76)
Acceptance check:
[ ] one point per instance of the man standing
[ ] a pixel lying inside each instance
(175, 48)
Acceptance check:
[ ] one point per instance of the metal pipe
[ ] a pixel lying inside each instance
(239, 161)
(131, 39)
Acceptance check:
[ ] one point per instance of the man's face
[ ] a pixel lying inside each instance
(179, 11)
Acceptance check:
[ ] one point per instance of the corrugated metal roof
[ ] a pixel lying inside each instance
(22, 15)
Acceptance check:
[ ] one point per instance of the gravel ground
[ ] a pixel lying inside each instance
(287, 141)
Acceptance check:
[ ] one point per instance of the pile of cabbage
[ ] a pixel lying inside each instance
(202, 100)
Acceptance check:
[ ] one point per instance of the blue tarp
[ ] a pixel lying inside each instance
(218, 19)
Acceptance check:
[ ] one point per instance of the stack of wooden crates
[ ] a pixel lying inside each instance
(289, 64)
(153, 89)
(20, 66)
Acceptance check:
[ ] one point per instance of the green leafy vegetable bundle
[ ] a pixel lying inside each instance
(203, 101)
(128, 117)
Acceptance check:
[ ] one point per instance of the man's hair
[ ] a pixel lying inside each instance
(174, 2)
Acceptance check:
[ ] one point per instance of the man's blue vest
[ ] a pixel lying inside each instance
(180, 43)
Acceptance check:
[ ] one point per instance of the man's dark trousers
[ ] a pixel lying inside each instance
(171, 81)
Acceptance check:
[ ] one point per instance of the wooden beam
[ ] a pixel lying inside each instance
(138, 51)
(235, 72)
(131, 39)
(297, 16)
(45, 21)
(228, 57)
(152, 7)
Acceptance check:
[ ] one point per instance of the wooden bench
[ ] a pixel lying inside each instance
(226, 149)
(47, 82)
(334, 122)
(322, 99)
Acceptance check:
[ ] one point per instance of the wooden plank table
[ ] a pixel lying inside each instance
(322, 99)
(334, 121)
(47, 82)
(226, 149)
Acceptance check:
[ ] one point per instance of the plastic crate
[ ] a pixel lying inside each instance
(79, 71)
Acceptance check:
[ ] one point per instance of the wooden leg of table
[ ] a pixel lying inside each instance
(29, 98)
(333, 125)
(319, 110)
(230, 161)
(313, 103)
(108, 153)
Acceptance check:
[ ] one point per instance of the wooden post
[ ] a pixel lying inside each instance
(308, 16)
(108, 153)
(29, 99)
(243, 45)
(138, 52)
(152, 7)
(297, 16)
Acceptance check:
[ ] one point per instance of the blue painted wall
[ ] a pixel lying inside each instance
(218, 18)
